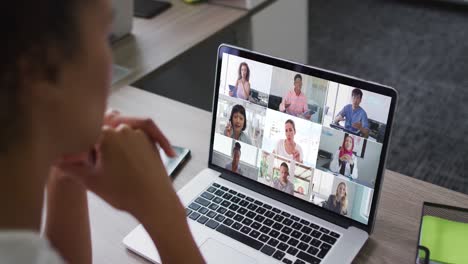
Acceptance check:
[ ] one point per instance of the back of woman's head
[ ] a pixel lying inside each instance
(36, 37)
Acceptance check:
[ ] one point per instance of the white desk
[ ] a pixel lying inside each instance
(397, 225)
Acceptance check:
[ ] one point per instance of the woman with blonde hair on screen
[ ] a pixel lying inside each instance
(338, 202)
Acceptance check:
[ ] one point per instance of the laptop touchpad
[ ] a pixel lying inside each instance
(217, 252)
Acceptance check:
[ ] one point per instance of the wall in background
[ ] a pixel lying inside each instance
(281, 30)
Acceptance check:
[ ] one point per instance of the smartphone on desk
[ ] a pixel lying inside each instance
(172, 164)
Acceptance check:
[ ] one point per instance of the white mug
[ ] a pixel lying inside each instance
(123, 18)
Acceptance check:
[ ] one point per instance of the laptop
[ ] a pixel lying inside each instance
(259, 201)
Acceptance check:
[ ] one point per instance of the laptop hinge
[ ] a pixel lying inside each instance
(295, 202)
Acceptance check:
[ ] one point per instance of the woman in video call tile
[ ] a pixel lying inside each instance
(282, 183)
(242, 84)
(288, 147)
(344, 161)
(237, 124)
(338, 202)
(234, 164)
(295, 102)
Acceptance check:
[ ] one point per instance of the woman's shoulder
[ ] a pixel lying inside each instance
(280, 147)
(25, 247)
(245, 138)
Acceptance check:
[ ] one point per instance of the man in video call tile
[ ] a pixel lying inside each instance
(355, 117)
(295, 102)
(282, 183)
(234, 164)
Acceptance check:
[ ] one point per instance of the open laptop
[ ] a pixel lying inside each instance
(259, 201)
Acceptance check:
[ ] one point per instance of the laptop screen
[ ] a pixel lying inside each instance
(316, 139)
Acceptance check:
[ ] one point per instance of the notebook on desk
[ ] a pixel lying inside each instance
(261, 201)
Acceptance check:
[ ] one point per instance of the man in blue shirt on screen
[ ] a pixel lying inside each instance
(355, 117)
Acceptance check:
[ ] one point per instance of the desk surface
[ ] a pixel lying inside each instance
(393, 241)
(157, 41)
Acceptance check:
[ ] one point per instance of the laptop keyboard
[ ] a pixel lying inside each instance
(261, 226)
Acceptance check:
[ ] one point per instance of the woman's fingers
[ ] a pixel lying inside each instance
(81, 172)
(114, 119)
(110, 116)
(73, 158)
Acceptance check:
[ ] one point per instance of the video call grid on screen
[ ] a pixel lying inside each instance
(318, 140)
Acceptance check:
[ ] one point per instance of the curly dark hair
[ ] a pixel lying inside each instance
(40, 34)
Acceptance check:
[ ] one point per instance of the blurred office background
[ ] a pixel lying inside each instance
(418, 47)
